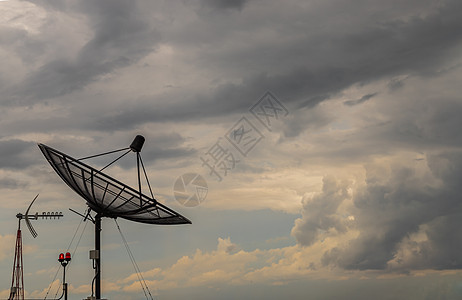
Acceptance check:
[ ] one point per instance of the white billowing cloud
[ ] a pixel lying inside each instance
(320, 213)
(225, 245)
(146, 274)
(39, 294)
(230, 265)
(225, 264)
(85, 289)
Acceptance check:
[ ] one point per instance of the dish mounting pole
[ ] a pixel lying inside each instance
(98, 256)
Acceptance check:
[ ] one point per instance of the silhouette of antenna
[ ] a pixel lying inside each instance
(108, 197)
(17, 282)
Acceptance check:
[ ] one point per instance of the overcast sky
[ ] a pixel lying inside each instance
(339, 121)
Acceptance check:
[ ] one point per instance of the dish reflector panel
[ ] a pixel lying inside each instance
(108, 196)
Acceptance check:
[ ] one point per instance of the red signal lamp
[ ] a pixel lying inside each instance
(61, 257)
(68, 257)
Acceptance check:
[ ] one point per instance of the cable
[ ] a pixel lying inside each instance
(56, 275)
(57, 290)
(94, 278)
(68, 247)
(141, 279)
(105, 153)
(146, 176)
(130, 254)
(99, 171)
(77, 245)
(57, 271)
(75, 233)
(147, 181)
(114, 161)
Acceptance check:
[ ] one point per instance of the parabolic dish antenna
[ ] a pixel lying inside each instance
(108, 197)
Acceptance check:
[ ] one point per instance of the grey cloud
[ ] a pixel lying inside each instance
(157, 147)
(165, 146)
(420, 124)
(308, 74)
(414, 124)
(225, 4)
(227, 99)
(319, 213)
(391, 208)
(18, 41)
(180, 152)
(16, 154)
(359, 101)
(11, 183)
(300, 71)
(304, 119)
(396, 83)
(122, 35)
(440, 251)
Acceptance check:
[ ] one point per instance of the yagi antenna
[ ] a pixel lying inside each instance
(17, 282)
(36, 216)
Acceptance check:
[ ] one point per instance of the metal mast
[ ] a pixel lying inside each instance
(17, 282)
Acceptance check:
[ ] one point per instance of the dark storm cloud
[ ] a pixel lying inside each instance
(16, 154)
(442, 249)
(417, 125)
(157, 147)
(389, 210)
(359, 101)
(161, 147)
(407, 122)
(395, 84)
(386, 213)
(326, 58)
(302, 72)
(227, 99)
(19, 42)
(405, 200)
(122, 34)
(225, 4)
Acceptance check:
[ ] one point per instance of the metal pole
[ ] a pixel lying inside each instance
(64, 283)
(98, 259)
(17, 282)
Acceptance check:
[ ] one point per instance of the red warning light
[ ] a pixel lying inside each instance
(61, 257)
(68, 256)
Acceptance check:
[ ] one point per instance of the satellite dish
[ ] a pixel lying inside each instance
(108, 197)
